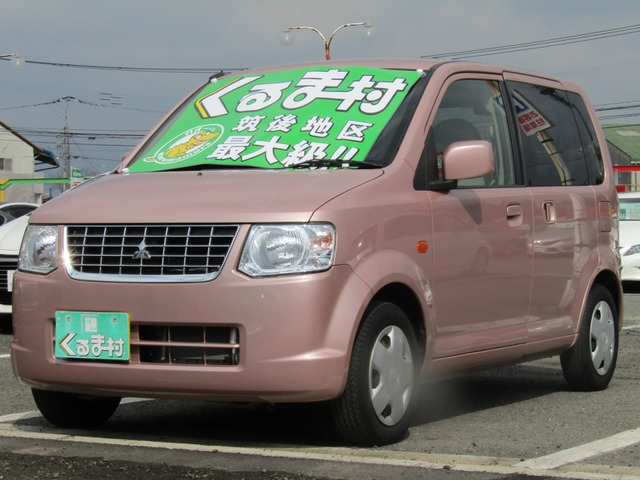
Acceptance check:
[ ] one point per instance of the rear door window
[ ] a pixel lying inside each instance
(552, 147)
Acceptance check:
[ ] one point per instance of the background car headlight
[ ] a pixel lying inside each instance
(288, 248)
(39, 249)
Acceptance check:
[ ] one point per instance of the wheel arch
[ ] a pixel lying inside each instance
(397, 278)
(599, 269)
(611, 282)
(404, 297)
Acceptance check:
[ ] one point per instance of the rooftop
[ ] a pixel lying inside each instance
(625, 138)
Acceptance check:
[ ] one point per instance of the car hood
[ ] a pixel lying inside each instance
(229, 196)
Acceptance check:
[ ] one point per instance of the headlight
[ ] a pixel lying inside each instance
(286, 249)
(632, 250)
(39, 249)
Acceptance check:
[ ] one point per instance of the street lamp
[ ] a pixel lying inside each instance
(16, 59)
(287, 38)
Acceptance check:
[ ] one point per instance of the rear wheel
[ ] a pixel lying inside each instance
(377, 404)
(589, 364)
(74, 411)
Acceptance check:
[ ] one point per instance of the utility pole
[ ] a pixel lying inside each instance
(65, 143)
(65, 150)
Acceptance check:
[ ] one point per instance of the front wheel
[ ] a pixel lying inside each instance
(376, 406)
(589, 364)
(74, 411)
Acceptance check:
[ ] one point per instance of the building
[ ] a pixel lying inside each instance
(624, 147)
(21, 159)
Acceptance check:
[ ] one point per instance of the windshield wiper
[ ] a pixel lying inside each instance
(214, 166)
(328, 163)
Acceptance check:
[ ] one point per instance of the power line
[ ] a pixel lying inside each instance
(621, 107)
(117, 107)
(207, 70)
(509, 48)
(103, 134)
(546, 43)
(617, 110)
(613, 117)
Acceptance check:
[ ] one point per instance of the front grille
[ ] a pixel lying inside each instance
(187, 345)
(7, 265)
(161, 253)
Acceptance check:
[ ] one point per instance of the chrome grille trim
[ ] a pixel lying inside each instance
(148, 252)
(7, 264)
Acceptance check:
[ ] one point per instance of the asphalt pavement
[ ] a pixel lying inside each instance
(512, 423)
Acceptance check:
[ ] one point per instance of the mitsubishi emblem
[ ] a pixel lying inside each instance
(142, 253)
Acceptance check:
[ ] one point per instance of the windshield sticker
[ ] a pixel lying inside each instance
(186, 145)
(281, 119)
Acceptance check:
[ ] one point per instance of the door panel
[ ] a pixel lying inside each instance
(557, 172)
(482, 269)
(561, 246)
(482, 262)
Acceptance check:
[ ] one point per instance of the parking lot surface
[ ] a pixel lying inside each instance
(511, 423)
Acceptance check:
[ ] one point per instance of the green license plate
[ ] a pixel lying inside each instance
(92, 335)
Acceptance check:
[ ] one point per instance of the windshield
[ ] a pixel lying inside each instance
(282, 119)
(629, 210)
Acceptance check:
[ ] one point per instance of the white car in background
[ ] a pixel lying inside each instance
(11, 234)
(11, 210)
(630, 235)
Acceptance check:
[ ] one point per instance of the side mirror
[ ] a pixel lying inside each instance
(468, 159)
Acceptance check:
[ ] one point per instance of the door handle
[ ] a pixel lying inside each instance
(514, 215)
(549, 212)
(513, 211)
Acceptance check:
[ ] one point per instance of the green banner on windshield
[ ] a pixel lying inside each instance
(281, 119)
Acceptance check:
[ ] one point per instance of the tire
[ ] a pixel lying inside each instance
(74, 411)
(377, 404)
(589, 364)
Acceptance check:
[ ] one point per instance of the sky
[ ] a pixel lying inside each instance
(108, 110)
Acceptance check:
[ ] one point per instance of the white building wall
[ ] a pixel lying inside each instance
(18, 163)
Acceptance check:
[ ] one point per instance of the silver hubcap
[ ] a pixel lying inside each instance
(603, 337)
(391, 375)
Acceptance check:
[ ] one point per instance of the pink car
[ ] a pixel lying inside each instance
(329, 232)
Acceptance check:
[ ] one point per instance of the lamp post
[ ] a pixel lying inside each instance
(16, 59)
(287, 38)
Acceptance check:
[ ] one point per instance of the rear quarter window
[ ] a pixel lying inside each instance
(590, 144)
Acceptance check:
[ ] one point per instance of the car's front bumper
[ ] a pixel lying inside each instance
(294, 341)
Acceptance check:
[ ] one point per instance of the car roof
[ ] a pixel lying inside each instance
(444, 66)
(401, 64)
